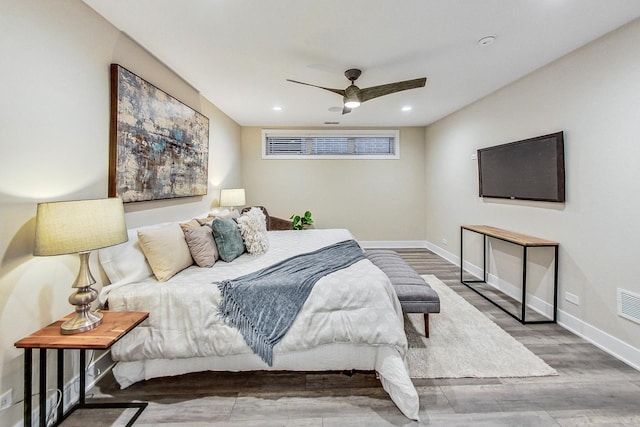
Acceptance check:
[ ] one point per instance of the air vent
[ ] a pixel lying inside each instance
(629, 305)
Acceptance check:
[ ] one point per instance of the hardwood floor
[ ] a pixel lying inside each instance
(592, 388)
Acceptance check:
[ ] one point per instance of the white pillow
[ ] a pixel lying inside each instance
(125, 263)
(253, 228)
(166, 250)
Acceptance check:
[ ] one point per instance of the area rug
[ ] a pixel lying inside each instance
(464, 343)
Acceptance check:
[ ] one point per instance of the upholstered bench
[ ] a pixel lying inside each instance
(415, 295)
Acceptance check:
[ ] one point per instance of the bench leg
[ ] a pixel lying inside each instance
(426, 325)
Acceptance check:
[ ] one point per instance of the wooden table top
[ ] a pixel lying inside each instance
(510, 236)
(115, 324)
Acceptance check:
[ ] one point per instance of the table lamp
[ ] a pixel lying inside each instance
(80, 227)
(232, 197)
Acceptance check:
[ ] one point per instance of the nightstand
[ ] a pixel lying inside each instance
(115, 325)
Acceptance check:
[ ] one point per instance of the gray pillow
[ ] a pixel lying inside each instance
(201, 245)
(228, 238)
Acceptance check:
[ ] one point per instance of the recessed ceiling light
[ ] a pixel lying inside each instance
(277, 108)
(407, 108)
(486, 41)
(335, 109)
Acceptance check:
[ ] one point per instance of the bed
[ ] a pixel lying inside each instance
(351, 320)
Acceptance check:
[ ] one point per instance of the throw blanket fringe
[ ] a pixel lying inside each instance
(264, 304)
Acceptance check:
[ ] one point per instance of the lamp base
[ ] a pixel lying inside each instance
(81, 322)
(85, 319)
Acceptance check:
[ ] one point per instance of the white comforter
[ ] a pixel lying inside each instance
(356, 305)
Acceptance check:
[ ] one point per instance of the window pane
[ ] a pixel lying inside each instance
(286, 145)
(330, 145)
(375, 145)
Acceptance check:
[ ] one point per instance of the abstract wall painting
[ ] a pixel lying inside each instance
(159, 147)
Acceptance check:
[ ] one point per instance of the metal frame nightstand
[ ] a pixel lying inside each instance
(114, 326)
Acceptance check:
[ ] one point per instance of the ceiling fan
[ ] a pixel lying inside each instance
(353, 96)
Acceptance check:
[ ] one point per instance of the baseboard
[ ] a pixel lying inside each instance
(606, 342)
(390, 244)
(95, 371)
(452, 258)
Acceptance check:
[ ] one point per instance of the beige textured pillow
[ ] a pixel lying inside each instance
(166, 250)
(202, 246)
(253, 229)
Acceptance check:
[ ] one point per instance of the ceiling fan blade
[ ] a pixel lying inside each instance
(346, 110)
(338, 91)
(377, 91)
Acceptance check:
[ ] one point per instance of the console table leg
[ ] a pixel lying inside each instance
(524, 284)
(461, 254)
(485, 275)
(555, 286)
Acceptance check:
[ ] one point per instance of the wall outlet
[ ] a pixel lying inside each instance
(444, 241)
(574, 299)
(6, 399)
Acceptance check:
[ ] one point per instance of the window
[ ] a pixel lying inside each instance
(330, 144)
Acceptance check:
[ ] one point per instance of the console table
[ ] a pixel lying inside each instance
(115, 325)
(525, 242)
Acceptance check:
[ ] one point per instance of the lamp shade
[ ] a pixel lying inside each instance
(79, 226)
(232, 197)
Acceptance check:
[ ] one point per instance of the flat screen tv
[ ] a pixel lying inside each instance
(531, 169)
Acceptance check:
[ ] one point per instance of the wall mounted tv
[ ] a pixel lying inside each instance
(531, 169)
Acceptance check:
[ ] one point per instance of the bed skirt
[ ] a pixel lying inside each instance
(386, 361)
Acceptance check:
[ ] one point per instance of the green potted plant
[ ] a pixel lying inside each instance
(301, 222)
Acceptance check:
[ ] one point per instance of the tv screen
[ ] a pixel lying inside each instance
(531, 169)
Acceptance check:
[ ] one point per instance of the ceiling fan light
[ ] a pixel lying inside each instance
(352, 104)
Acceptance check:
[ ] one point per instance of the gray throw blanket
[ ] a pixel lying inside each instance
(264, 304)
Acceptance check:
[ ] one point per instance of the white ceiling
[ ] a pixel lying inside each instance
(238, 53)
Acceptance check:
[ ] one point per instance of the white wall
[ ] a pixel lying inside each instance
(593, 94)
(54, 141)
(375, 199)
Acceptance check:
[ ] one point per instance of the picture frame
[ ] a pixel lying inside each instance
(158, 146)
